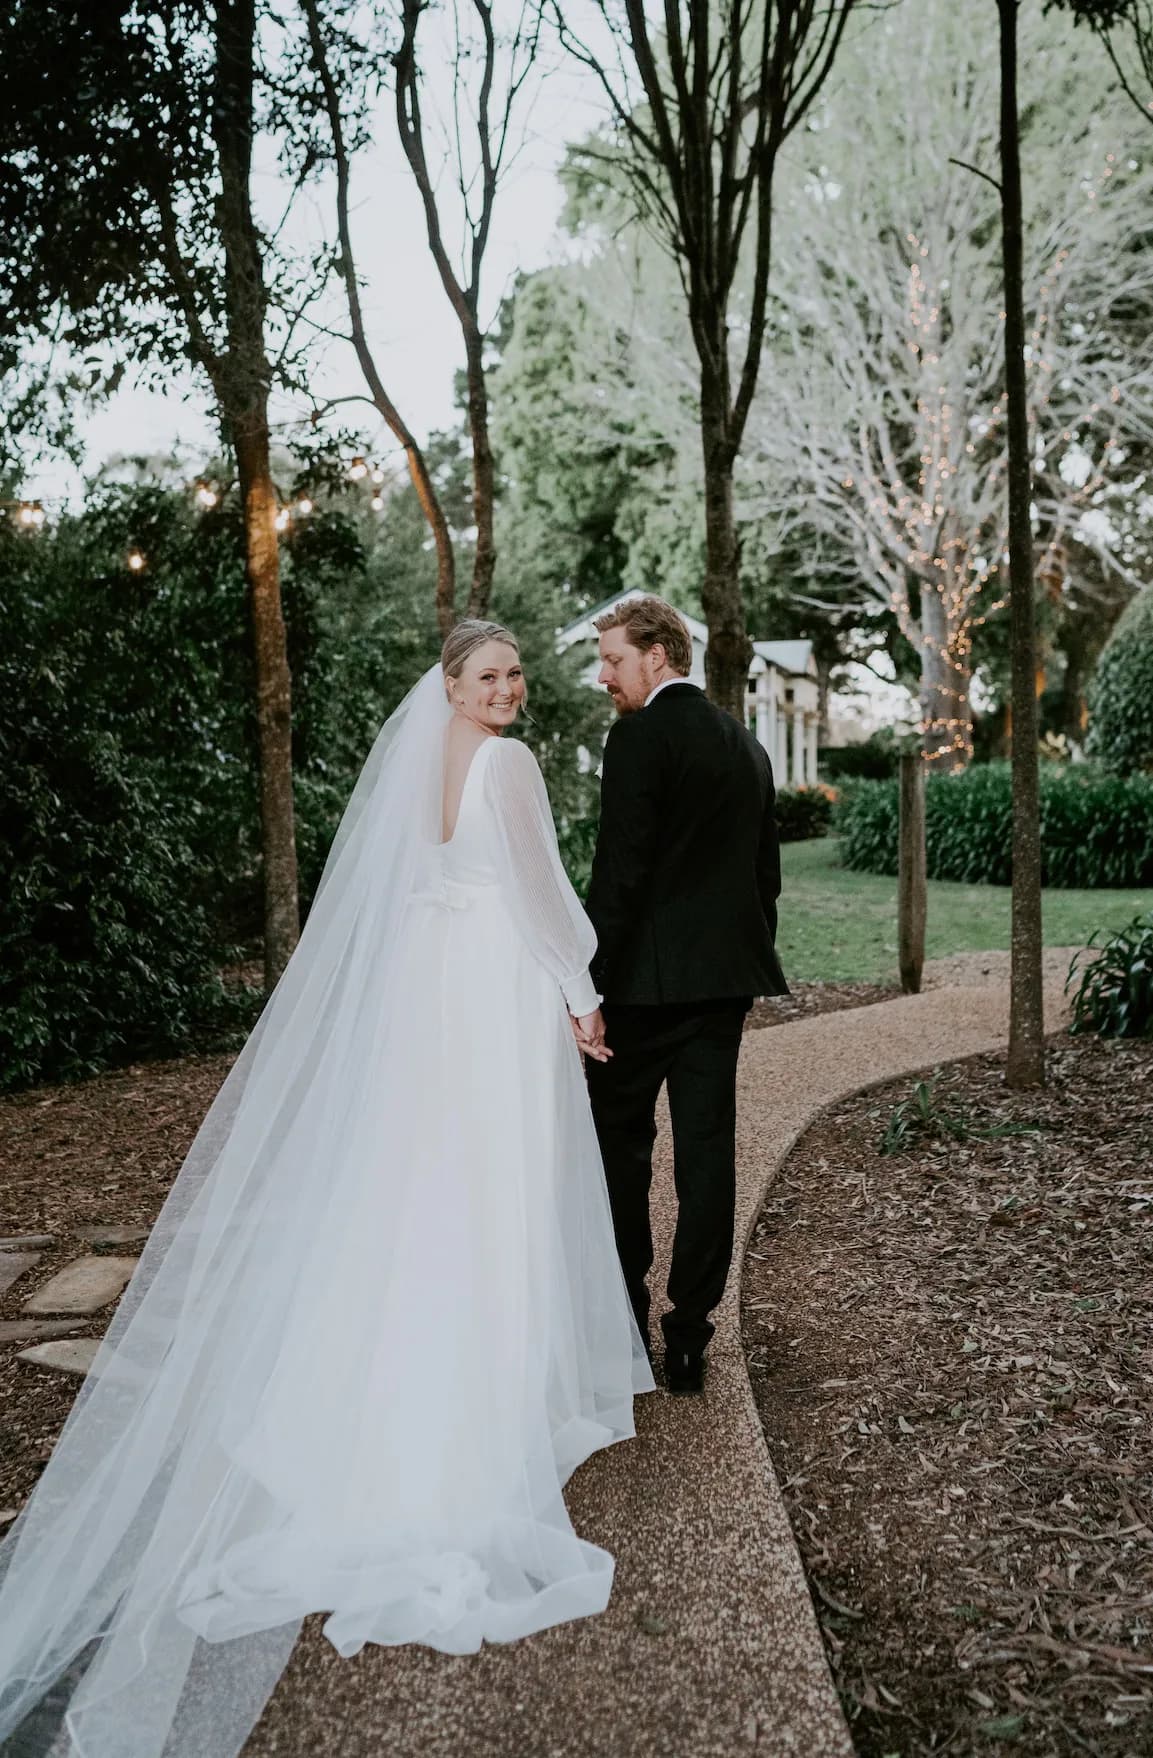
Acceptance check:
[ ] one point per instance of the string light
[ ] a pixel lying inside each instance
(378, 475)
(377, 503)
(357, 469)
(206, 495)
(31, 515)
(135, 560)
(283, 519)
(304, 506)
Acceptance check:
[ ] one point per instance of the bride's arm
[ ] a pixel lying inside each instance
(547, 909)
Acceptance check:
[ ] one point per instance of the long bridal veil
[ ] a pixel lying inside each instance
(139, 1481)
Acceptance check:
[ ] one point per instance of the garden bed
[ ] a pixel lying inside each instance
(950, 1352)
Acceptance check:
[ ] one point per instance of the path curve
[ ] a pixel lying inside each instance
(709, 1647)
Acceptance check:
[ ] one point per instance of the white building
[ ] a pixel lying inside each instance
(783, 694)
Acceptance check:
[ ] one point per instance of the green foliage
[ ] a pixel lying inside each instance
(803, 812)
(1114, 993)
(1121, 695)
(875, 759)
(1096, 829)
(129, 836)
(116, 775)
(921, 1117)
(866, 819)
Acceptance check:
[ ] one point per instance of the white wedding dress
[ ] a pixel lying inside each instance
(380, 1320)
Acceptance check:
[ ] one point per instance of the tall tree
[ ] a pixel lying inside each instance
(701, 111)
(489, 98)
(129, 234)
(1026, 1060)
(876, 448)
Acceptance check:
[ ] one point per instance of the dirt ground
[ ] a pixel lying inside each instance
(102, 1152)
(951, 1352)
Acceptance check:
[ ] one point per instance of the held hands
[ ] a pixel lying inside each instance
(589, 1032)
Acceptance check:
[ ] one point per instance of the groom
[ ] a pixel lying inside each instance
(683, 898)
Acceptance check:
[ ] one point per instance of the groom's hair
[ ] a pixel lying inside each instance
(646, 621)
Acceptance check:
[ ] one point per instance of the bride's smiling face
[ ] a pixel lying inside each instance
(491, 688)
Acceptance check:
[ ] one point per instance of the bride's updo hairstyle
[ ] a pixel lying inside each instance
(466, 637)
(469, 634)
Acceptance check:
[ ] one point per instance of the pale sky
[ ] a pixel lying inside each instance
(411, 324)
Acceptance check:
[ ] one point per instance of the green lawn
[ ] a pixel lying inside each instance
(840, 926)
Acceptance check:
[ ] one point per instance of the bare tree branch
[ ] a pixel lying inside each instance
(417, 465)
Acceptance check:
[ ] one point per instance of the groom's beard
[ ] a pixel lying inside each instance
(622, 704)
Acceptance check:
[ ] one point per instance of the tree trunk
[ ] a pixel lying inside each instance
(1026, 1063)
(242, 379)
(273, 694)
(824, 678)
(483, 487)
(912, 891)
(946, 712)
(730, 652)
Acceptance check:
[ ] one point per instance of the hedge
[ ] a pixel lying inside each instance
(1096, 829)
(1121, 695)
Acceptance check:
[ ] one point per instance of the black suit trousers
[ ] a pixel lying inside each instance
(693, 1046)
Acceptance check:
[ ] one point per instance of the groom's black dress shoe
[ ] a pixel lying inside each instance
(684, 1373)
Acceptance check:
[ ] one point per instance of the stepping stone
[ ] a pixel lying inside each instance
(14, 1264)
(111, 1235)
(28, 1242)
(26, 1330)
(69, 1355)
(83, 1286)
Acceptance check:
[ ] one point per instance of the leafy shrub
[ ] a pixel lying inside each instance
(1114, 996)
(804, 812)
(129, 822)
(874, 759)
(1121, 695)
(577, 838)
(1096, 829)
(866, 818)
(105, 951)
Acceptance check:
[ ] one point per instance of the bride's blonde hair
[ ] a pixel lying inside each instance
(469, 634)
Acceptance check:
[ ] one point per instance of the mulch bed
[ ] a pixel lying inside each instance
(950, 1348)
(807, 999)
(102, 1152)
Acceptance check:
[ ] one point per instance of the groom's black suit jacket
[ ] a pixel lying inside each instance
(687, 869)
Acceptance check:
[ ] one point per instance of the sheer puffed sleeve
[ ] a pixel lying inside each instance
(547, 909)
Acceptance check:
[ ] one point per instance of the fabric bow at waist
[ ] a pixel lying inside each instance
(450, 894)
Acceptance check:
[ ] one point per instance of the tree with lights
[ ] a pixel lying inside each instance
(890, 419)
(130, 236)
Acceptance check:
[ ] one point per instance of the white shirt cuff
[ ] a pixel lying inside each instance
(580, 995)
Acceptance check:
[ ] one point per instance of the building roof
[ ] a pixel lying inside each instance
(795, 657)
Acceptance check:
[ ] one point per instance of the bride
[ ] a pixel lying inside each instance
(380, 1319)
